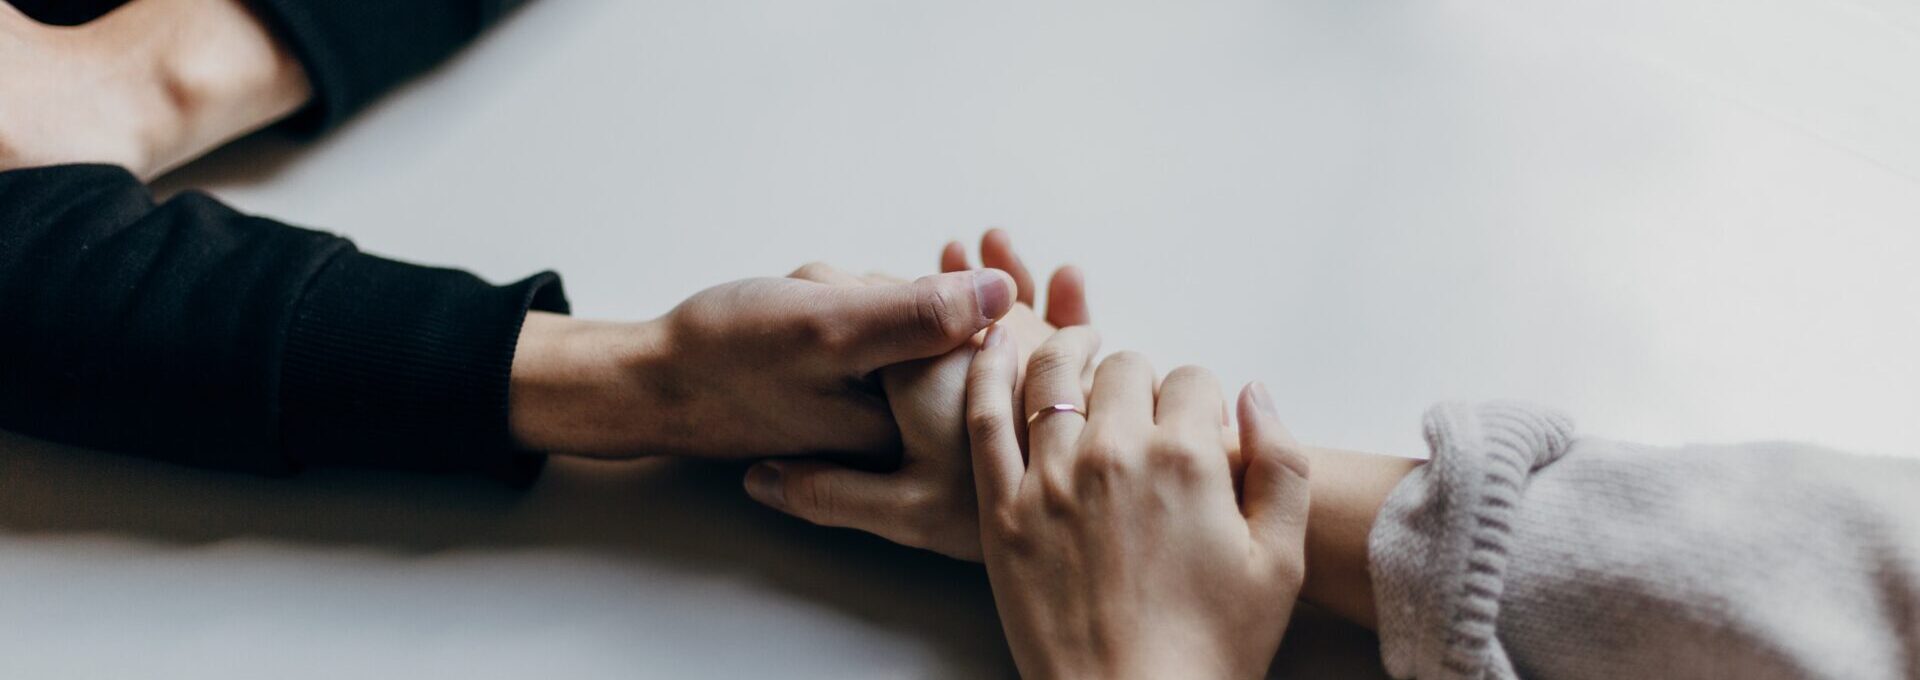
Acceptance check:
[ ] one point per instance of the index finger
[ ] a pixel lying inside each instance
(997, 465)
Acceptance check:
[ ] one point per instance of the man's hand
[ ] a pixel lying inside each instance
(149, 86)
(753, 368)
(929, 501)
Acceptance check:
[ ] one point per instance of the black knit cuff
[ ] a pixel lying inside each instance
(302, 34)
(396, 365)
(353, 52)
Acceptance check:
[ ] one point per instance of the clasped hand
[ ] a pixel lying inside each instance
(1137, 535)
(1150, 538)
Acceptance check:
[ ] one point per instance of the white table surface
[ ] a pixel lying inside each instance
(1677, 220)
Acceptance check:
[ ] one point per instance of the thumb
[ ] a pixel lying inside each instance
(929, 317)
(1276, 493)
(824, 493)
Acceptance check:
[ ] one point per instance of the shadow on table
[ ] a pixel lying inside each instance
(666, 514)
(249, 160)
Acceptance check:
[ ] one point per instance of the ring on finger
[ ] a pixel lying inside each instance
(1056, 408)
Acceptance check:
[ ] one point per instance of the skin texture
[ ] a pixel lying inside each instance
(1349, 488)
(753, 368)
(1115, 543)
(160, 82)
(149, 86)
(928, 501)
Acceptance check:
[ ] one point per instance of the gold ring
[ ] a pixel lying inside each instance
(1056, 408)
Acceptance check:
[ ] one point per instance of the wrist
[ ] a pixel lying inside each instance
(1140, 669)
(586, 388)
(1349, 489)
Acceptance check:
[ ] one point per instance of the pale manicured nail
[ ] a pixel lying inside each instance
(994, 290)
(763, 483)
(995, 335)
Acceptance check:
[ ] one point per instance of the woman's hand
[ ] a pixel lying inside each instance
(928, 502)
(1116, 546)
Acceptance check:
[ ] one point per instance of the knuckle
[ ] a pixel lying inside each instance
(1176, 465)
(1179, 457)
(1125, 360)
(1057, 497)
(1099, 467)
(695, 321)
(1000, 523)
(1098, 445)
(806, 326)
(812, 271)
(1190, 373)
(987, 424)
(1290, 568)
(1008, 535)
(816, 502)
(1054, 359)
(816, 330)
(832, 335)
(937, 310)
(916, 502)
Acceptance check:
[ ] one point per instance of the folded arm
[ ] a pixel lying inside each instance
(152, 84)
(188, 331)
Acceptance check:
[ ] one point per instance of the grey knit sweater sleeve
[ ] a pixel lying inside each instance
(1522, 551)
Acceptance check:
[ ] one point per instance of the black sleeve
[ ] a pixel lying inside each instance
(189, 332)
(354, 50)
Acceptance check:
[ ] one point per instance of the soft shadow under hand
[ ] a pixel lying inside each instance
(660, 514)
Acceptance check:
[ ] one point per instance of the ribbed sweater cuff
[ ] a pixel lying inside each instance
(306, 37)
(396, 365)
(1439, 549)
(355, 51)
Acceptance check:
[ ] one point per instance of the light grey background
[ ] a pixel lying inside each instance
(1679, 220)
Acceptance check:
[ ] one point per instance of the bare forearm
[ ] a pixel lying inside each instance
(1349, 489)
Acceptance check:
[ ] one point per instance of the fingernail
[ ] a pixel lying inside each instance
(994, 290)
(994, 335)
(1264, 399)
(763, 483)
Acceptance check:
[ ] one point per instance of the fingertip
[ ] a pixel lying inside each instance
(953, 258)
(986, 360)
(763, 483)
(1067, 298)
(1248, 413)
(1004, 352)
(1263, 400)
(1261, 431)
(996, 252)
(994, 289)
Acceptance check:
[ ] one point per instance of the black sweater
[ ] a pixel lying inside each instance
(189, 332)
